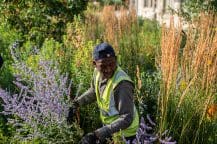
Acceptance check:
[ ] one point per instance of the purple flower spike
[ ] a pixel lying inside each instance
(42, 101)
(145, 134)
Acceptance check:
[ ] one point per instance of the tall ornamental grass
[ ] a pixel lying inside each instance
(136, 41)
(189, 76)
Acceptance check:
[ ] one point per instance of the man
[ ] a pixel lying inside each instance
(113, 90)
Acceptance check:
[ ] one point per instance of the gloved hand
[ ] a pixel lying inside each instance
(103, 134)
(72, 112)
(89, 138)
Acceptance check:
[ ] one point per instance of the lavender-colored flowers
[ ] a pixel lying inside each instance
(145, 134)
(43, 97)
(42, 102)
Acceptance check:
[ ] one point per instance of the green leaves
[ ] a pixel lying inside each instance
(40, 19)
(192, 8)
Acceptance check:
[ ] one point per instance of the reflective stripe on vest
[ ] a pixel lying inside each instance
(106, 103)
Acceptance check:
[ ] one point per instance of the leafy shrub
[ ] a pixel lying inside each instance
(147, 92)
(7, 36)
(191, 9)
(78, 59)
(37, 20)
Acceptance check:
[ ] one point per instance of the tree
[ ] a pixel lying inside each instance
(40, 19)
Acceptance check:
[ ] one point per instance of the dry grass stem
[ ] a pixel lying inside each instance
(139, 81)
(189, 74)
(117, 23)
(171, 40)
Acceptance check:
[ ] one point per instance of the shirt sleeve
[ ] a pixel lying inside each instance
(123, 95)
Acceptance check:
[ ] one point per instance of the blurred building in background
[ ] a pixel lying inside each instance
(157, 9)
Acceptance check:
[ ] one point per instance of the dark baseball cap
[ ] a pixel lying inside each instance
(103, 50)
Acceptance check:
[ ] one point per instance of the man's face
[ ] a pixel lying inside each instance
(106, 66)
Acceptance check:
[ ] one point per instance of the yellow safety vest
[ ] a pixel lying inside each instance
(106, 103)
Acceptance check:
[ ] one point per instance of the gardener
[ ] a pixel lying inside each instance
(113, 90)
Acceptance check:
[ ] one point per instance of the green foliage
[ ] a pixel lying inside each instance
(147, 94)
(187, 123)
(5, 132)
(53, 133)
(77, 58)
(39, 19)
(7, 37)
(140, 47)
(192, 8)
(3, 139)
(31, 22)
(90, 119)
(77, 54)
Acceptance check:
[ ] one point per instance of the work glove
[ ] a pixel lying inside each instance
(71, 116)
(103, 134)
(89, 138)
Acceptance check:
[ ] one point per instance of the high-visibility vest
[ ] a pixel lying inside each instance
(106, 103)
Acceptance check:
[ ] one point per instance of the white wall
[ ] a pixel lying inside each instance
(147, 12)
(159, 11)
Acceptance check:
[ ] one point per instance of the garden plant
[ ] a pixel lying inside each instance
(47, 51)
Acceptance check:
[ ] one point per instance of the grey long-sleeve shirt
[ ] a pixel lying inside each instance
(123, 95)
